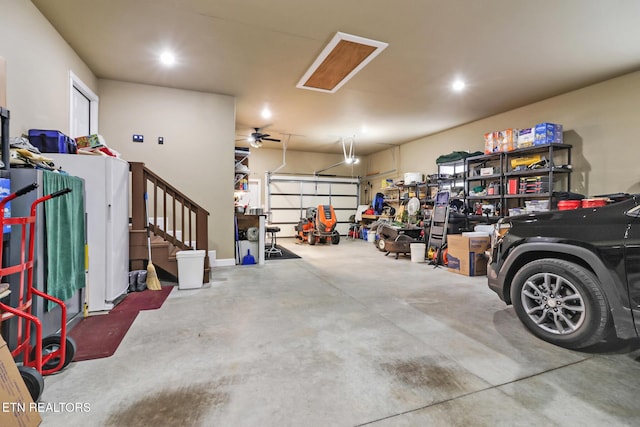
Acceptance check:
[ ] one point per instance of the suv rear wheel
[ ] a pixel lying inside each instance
(560, 302)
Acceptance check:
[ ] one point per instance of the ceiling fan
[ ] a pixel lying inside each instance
(256, 138)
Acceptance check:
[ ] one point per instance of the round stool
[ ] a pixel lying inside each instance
(272, 250)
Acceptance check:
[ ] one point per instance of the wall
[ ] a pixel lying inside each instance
(600, 122)
(198, 150)
(38, 65)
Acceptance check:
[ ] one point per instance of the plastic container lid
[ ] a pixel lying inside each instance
(190, 254)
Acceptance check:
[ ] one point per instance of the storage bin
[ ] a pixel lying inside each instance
(412, 178)
(52, 141)
(371, 236)
(418, 252)
(190, 269)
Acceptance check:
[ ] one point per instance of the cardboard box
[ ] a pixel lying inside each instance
(486, 171)
(16, 406)
(507, 140)
(466, 254)
(547, 133)
(3, 82)
(526, 137)
(491, 142)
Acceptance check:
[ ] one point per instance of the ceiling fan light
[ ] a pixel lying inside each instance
(348, 160)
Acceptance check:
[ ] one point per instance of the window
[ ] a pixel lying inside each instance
(83, 114)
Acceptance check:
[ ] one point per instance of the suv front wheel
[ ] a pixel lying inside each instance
(560, 302)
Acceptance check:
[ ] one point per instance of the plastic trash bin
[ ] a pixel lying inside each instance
(190, 269)
(418, 252)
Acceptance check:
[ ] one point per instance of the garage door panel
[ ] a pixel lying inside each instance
(343, 216)
(285, 202)
(344, 203)
(343, 229)
(285, 187)
(285, 216)
(313, 201)
(343, 189)
(320, 188)
(297, 193)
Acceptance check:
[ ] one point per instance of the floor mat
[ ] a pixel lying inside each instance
(145, 300)
(286, 254)
(99, 336)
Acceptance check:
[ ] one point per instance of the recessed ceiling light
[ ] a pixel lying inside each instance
(167, 58)
(458, 85)
(266, 113)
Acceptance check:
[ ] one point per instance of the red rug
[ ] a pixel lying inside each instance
(145, 300)
(99, 336)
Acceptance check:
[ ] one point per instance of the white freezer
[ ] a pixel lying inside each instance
(107, 205)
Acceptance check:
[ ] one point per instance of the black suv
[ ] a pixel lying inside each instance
(571, 275)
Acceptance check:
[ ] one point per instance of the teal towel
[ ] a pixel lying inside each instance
(64, 219)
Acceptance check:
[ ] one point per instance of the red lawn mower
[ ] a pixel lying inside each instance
(319, 225)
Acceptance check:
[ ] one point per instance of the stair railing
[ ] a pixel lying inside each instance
(172, 215)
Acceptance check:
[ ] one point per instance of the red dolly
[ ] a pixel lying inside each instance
(55, 352)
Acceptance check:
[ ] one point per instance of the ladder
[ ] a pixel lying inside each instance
(438, 228)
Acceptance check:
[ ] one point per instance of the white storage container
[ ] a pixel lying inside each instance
(418, 252)
(190, 269)
(412, 178)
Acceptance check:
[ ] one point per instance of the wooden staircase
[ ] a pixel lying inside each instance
(175, 223)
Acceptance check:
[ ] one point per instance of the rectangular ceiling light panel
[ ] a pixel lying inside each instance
(340, 60)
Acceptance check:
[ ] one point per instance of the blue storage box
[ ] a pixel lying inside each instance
(52, 141)
(547, 133)
(5, 190)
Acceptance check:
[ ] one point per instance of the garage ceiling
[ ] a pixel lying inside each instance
(509, 53)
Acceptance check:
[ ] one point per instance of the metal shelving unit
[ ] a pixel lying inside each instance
(557, 173)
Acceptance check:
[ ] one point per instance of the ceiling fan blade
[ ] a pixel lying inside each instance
(270, 139)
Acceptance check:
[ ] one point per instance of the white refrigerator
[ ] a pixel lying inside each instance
(107, 206)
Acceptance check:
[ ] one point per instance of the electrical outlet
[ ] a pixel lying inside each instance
(161, 140)
(138, 138)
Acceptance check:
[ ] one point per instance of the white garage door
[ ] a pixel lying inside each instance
(289, 196)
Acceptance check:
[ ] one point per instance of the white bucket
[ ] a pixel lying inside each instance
(371, 236)
(418, 252)
(190, 269)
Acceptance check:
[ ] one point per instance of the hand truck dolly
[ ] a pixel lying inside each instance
(54, 352)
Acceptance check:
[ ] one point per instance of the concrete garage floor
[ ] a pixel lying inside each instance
(344, 337)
